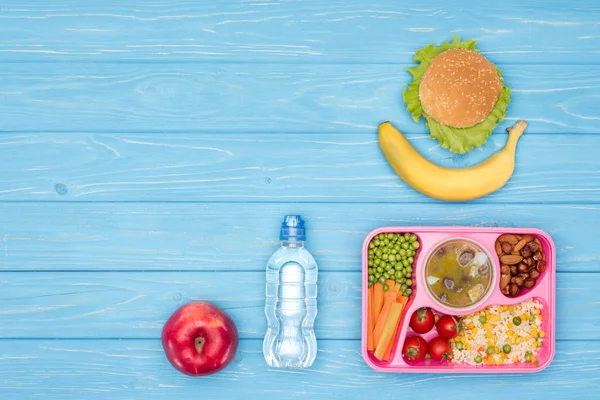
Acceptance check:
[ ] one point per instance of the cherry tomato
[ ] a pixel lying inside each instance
(415, 348)
(422, 320)
(448, 326)
(439, 348)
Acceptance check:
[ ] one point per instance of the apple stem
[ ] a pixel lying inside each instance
(199, 343)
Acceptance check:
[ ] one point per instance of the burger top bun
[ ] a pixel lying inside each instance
(459, 88)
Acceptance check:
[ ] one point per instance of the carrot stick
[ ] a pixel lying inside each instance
(390, 326)
(377, 300)
(391, 284)
(388, 351)
(370, 322)
(390, 298)
(402, 299)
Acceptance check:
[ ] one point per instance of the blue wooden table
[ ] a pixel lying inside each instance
(149, 150)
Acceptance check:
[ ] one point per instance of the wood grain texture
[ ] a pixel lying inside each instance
(241, 237)
(234, 98)
(136, 304)
(273, 167)
(134, 369)
(288, 31)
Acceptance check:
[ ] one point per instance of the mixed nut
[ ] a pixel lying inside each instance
(522, 262)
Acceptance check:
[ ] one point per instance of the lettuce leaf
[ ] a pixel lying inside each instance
(457, 140)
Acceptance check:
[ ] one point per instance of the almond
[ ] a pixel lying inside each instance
(511, 259)
(512, 239)
(520, 245)
(498, 248)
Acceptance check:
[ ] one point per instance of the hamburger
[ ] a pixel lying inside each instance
(459, 92)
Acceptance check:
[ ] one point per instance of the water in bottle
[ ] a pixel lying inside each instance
(291, 305)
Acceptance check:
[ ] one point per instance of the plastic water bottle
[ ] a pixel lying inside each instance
(291, 305)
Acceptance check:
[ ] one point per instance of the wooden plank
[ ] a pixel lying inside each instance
(136, 305)
(273, 167)
(213, 236)
(254, 98)
(134, 369)
(308, 31)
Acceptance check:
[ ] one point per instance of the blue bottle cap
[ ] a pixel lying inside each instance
(292, 228)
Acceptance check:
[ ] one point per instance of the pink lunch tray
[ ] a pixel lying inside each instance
(429, 237)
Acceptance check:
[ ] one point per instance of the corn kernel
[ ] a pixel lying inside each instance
(534, 333)
(510, 325)
(534, 326)
(489, 360)
(525, 316)
(542, 334)
(511, 308)
(487, 326)
(495, 318)
(518, 340)
(470, 325)
(436, 318)
(474, 330)
(488, 335)
(537, 312)
(468, 346)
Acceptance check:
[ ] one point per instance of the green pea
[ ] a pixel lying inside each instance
(409, 282)
(405, 246)
(413, 238)
(377, 276)
(410, 253)
(386, 241)
(375, 243)
(398, 274)
(407, 292)
(408, 275)
(404, 287)
(382, 279)
(371, 252)
(405, 263)
(370, 263)
(506, 348)
(371, 245)
(517, 321)
(386, 288)
(371, 278)
(386, 276)
(532, 318)
(410, 260)
(407, 236)
(482, 319)
(371, 271)
(378, 252)
(390, 236)
(398, 281)
(385, 251)
(402, 252)
(402, 280)
(528, 356)
(392, 258)
(370, 284)
(394, 251)
(478, 359)
(401, 239)
(379, 269)
(409, 269)
(416, 245)
(490, 350)
(397, 247)
(385, 257)
(459, 345)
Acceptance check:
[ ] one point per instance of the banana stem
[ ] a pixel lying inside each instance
(514, 133)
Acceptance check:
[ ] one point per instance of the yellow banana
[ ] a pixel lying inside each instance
(450, 184)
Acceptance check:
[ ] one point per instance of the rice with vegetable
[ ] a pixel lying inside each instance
(500, 335)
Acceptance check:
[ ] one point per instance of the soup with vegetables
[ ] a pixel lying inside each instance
(459, 273)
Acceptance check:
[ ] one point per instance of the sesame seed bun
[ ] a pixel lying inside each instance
(459, 88)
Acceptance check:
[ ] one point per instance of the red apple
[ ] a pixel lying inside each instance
(199, 339)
